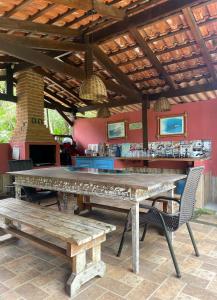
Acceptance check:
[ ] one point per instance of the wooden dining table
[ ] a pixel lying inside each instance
(110, 184)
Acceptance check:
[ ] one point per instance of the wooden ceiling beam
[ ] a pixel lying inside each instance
(170, 94)
(110, 84)
(64, 116)
(54, 96)
(151, 57)
(17, 7)
(60, 85)
(200, 41)
(97, 5)
(143, 18)
(50, 103)
(39, 59)
(28, 26)
(114, 71)
(43, 44)
(5, 97)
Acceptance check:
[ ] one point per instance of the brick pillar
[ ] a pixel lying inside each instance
(30, 125)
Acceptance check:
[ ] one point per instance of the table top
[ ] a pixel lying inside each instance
(114, 177)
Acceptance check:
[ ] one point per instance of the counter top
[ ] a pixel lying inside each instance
(150, 158)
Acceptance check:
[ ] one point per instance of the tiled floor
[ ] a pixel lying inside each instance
(29, 273)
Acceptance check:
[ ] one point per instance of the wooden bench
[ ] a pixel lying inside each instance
(79, 234)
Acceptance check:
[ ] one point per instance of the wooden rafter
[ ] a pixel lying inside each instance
(53, 79)
(39, 59)
(49, 103)
(17, 7)
(62, 15)
(170, 94)
(65, 117)
(27, 26)
(113, 69)
(200, 41)
(143, 18)
(55, 97)
(98, 5)
(41, 12)
(151, 57)
(43, 44)
(110, 84)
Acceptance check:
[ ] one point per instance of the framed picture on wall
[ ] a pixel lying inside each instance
(116, 130)
(175, 125)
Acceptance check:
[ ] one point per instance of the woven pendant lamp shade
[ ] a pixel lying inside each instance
(103, 112)
(162, 105)
(93, 89)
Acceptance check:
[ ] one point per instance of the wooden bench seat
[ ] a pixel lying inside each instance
(79, 234)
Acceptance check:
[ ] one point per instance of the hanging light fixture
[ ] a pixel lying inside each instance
(103, 112)
(162, 105)
(92, 88)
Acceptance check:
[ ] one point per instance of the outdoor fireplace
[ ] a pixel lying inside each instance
(42, 155)
(31, 137)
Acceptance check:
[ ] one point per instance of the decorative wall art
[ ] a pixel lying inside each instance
(116, 130)
(135, 126)
(174, 125)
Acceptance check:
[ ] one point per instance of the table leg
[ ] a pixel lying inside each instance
(18, 191)
(135, 236)
(65, 200)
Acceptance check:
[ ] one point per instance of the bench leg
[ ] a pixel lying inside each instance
(7, 236)
(82, 272)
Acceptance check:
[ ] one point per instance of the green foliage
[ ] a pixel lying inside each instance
(57, 124)
(203, 211)
(7, 120)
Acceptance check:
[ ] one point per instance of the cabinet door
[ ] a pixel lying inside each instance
(84, 163)
(107, 164)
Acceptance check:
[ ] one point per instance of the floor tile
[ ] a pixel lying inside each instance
(30, 292)
(113, 285)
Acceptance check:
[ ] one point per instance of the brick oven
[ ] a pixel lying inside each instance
(31, 135)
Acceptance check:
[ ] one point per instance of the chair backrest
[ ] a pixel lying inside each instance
(188, 197)
(20, 165)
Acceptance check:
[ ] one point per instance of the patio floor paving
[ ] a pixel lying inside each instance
(27, 272)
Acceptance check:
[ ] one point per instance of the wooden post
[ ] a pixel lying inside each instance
(145, 106)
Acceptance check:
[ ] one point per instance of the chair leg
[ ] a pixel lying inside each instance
(172, 253)
(144, 232)
(192, 239)
(121, 243)
(58, 204)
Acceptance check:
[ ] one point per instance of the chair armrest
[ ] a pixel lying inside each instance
(167, 199)
(149, 207)
(152, 208)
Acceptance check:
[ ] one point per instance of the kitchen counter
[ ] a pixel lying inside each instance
(149, 158)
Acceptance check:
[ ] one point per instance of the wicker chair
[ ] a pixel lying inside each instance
(170, 222)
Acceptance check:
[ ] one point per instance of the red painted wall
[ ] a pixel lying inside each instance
(4, 157)
(201, 124)
(93, 131)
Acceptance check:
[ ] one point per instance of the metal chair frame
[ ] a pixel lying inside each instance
(170, 222)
